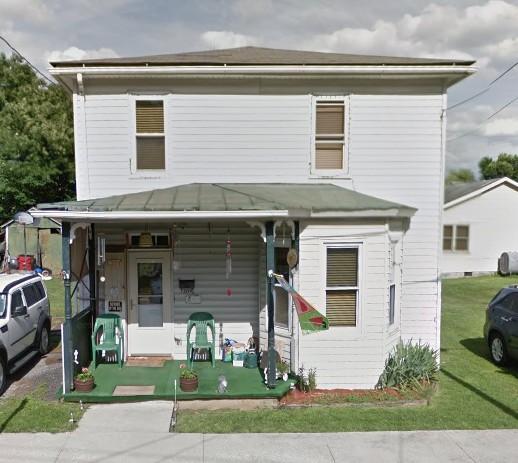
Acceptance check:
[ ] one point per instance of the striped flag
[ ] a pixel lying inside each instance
(310, 319)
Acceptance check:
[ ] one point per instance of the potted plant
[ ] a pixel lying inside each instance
(188, 379)
(84, 381)
(283, 368)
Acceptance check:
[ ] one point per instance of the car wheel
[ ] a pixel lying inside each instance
(3, 375)
(497, 349)
(44, 340)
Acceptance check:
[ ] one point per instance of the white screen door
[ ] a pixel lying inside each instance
(150, 328)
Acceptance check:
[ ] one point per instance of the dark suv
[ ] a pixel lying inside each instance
(501, 327)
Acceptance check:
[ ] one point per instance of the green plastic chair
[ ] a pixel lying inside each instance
(107, 335)
(201, 321)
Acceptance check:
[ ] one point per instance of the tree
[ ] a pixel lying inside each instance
(36, 139)
(460, 175)
(506, 165)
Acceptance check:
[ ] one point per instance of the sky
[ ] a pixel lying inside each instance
(481, 30)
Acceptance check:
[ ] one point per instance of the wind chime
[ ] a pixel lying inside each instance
(229, 255)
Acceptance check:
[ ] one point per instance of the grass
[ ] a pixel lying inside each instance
(36, 414)
(472, 393)
(56, 292)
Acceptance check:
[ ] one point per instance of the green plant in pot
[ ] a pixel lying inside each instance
(84, 381)
(188, 379)
(283, 368)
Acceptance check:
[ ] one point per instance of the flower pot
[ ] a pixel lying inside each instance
(189, 385)
(84, 386)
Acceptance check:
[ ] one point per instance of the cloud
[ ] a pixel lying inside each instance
(502, 127)
(74, 53)
(29, 11)
(227, 39)
(252, 8)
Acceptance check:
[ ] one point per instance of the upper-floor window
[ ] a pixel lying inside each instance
(330, 122)
(455, 238)
(342, 288)
(150, 136)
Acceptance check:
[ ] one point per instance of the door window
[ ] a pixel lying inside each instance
(150, 294)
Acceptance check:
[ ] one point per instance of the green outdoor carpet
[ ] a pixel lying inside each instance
(242, 383)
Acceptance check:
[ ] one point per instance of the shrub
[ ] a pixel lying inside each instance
(307, 379)
(409, 365)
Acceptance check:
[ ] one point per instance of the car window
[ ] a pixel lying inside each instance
(39, 290)
(3, 305)
(16, 300)
(30, 295)
(509, 301)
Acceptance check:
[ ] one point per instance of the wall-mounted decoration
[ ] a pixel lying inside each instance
(292, 258)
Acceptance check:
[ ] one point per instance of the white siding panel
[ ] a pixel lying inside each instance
(346, 357)
(410, 168)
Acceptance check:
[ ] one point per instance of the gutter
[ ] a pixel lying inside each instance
(265, 71)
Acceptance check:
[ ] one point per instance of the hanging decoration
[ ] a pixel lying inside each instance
(176, 248)
(229, 255)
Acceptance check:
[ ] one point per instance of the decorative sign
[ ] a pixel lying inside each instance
(292, 258)
(115, 306)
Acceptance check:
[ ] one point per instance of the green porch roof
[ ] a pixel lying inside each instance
(298, 199)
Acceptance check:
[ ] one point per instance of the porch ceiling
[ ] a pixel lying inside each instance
(228, 200)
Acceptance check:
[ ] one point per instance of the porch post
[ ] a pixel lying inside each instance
(270, 265)
(91, 272)
(68, 348)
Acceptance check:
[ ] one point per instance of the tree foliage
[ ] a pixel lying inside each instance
(36, 139)
(460, 175)
(506, 165)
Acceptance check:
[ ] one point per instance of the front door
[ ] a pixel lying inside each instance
(150, 318)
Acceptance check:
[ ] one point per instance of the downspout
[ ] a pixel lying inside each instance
(68, 348)
(270, 301)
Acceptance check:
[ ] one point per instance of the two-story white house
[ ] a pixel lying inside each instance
(198, 172)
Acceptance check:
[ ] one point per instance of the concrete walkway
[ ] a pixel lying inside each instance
(139, 432)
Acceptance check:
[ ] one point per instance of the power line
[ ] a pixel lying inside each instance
(484, 91)
(484, 123)
(35, 69)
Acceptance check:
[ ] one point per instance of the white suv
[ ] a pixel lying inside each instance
(24, 321)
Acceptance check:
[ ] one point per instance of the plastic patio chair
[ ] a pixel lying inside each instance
(201, 321)
(107, 335)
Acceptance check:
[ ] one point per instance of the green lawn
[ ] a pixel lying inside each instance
(472, 392)
(56, 292)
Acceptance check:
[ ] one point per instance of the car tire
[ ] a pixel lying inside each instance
(498, 349)
(3, 375)
(44, 340)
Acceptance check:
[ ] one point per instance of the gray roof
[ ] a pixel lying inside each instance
(242, 197)
(457, 190)
(249, 56)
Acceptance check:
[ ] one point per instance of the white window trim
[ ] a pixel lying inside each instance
(353, 331)
(147, 173)
(322, 173)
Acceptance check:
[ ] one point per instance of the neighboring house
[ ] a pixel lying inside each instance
(199, 171)
(478, 225)
(40, 241)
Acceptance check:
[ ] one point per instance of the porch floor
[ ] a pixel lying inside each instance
(242, 383)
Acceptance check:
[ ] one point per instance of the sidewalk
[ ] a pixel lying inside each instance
(139, 432)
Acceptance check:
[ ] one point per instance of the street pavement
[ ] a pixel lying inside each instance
(139, 432)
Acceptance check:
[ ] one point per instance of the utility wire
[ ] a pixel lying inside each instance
(484, 91)
(484, 123)
(27, 61)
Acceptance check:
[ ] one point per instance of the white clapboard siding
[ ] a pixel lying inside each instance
(409, 173)
(492, 230)
(209, 138)
(203, 258)
(347, 357)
